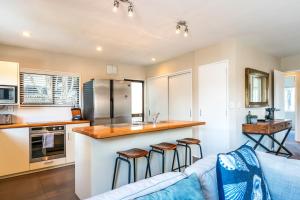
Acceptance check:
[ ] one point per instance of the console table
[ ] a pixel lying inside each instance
(269, 129)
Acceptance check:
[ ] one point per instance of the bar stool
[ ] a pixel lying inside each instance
(131, 154)
(161, 148)
(186, 142)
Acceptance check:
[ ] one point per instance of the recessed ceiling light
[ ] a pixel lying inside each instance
(26, 33)
(99, 48)
(153, 59)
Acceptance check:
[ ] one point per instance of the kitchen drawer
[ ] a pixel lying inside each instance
(48, 163)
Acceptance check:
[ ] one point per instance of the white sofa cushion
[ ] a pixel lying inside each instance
(282, 176)
(143, 187)
(206, 172)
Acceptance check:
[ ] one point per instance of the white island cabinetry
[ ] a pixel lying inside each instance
(70, 141)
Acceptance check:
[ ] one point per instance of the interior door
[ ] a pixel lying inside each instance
(180, 97)
(278, 94)
(213, 107)
(158, 98)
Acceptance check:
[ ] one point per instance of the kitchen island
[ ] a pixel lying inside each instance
(96, 148)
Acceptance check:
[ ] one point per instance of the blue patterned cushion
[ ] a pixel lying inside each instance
(240, 176)
(185, 189)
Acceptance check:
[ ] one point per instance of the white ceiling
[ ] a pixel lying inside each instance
(78, 26)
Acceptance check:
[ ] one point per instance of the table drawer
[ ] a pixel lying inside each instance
(277, 127)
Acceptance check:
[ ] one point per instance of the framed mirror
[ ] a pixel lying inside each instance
(256, 88)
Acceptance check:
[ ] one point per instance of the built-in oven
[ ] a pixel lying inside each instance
(8, 94)
(47, 143)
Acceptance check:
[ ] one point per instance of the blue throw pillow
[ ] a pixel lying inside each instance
(240, 176)
(185, 189)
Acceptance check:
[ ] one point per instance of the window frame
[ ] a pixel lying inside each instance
(143, 98)
(21, 89)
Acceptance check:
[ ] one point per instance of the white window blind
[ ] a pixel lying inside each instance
(41, 89)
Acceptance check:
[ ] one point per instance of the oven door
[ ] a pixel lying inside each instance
(38, 153)
(8, 94)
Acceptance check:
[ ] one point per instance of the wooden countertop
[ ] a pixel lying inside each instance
(26, 125)
(102, 132)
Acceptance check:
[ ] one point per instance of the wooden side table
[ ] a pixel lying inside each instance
(269, 129)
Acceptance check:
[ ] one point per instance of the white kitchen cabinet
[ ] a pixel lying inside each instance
(14, 151)
(9, 73)
(70, 141)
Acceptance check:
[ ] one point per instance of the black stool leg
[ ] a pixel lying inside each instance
(163, 161)
(115, 170)
(129, 170)
(200, 150)
(178, 163)
(148, 169)
(134, 170)
(173, 162)
(185, 161)
(190, 154)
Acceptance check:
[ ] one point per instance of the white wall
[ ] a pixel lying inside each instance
(240, 56)
(87, 68)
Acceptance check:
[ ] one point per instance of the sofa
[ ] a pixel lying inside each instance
(282, 176)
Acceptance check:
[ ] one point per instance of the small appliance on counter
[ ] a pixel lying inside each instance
(270, 113)
(6, 119)
(76, 114)
(251, 119)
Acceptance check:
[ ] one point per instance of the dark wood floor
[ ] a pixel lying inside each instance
(56, 184)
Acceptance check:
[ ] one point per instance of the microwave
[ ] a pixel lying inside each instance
(8, 94)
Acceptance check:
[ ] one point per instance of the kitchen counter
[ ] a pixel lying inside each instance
(103, 132)
(36, 124)
(97, 147)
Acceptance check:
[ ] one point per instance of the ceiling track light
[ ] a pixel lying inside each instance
(182, 25)
(116, 6)
(130, 6)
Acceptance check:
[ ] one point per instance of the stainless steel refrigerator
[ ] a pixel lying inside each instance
(107, 101)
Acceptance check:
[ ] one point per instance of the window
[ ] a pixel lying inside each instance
(137, 100)
(55, 90)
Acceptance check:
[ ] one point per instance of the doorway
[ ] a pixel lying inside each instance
(213, 107)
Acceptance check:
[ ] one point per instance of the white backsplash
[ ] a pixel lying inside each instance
(37, 114)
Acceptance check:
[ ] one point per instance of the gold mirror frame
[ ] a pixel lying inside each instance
(249, 104)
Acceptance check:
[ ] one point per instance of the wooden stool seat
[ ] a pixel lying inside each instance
(189, 141)
(133, 153)
(164, 146)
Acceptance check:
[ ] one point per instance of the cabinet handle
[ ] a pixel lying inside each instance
(69, 136)
(48, 162)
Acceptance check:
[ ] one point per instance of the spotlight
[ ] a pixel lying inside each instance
(130, 10)
(177, 29)
(116, 6)
(182, 25)
(186, 32)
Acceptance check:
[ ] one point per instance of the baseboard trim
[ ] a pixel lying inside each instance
(35, 171)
